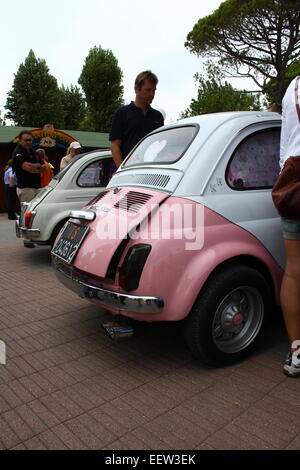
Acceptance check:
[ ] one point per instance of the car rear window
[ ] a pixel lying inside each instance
(165, 147)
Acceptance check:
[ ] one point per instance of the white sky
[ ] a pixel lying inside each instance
(142, 35)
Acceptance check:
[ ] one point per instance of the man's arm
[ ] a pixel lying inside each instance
(116, 152)
(12, 181)
(31, 167)
(283, 139)
(116, 136)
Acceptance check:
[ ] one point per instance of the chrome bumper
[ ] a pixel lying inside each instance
(107, 298)
(23, 232)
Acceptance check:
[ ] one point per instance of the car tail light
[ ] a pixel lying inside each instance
(132, 268)
(28, 219)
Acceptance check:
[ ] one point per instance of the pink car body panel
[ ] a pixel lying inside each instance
(172, 272)
(111, 226)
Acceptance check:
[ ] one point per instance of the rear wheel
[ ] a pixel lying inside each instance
(229, 315)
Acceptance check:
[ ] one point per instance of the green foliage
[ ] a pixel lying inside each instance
(215, 96)
(35, 99)
(251, 38)
(101, 79)
(87, 123)
(270, 88)
(74, 107)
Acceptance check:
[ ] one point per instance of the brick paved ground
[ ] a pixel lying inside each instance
(66, 385)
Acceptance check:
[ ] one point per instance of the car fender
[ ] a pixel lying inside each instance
(46, 220)
(177, 274)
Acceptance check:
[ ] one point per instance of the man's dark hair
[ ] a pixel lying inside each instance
(147, 75)
(23, 133)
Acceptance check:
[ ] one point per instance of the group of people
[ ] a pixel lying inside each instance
(29, 170)
(26, 172)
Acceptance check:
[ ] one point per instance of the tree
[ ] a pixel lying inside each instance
(74, 107)
(215, 96)
(291, 72)
(251, 38)
(35, 99)
(101, 79)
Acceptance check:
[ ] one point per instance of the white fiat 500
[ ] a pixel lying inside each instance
(72, 188)
(187, 230)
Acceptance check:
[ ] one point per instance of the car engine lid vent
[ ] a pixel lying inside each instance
(155, 180)
(98, 197)
(133, 201)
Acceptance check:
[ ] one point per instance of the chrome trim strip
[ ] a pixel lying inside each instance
(21, 231)
(107, 298)
(88, 197)
(84, 215)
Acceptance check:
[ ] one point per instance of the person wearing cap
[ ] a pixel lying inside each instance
(73, 150)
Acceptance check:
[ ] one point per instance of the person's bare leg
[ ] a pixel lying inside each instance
(290, 290)
(290, 304)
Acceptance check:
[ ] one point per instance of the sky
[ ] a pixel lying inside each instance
(141, 35)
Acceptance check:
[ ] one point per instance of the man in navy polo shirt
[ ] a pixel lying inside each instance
(132, 122)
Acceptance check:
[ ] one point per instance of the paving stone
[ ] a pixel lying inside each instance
(294, 444)
(143, 439)
(88, 437)
(176, 431)
(233, 437)
(45, 415)
(31, 419)
(264, 429)
(35, 444)
(10, 396)
(51, 440)
(18, 425)
(123, 413)
(61, 435)
(9, 438)
(20, 391)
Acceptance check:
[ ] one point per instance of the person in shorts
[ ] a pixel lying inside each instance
(290, 289)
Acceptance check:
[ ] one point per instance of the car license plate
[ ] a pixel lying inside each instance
(69, 242)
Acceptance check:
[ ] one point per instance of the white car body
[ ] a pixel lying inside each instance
(76, 185)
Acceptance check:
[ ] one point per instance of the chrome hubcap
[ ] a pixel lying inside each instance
(238, 319)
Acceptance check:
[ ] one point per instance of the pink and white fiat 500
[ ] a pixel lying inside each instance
(186, 230)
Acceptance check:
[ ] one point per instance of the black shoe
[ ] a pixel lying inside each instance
(12, 218)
